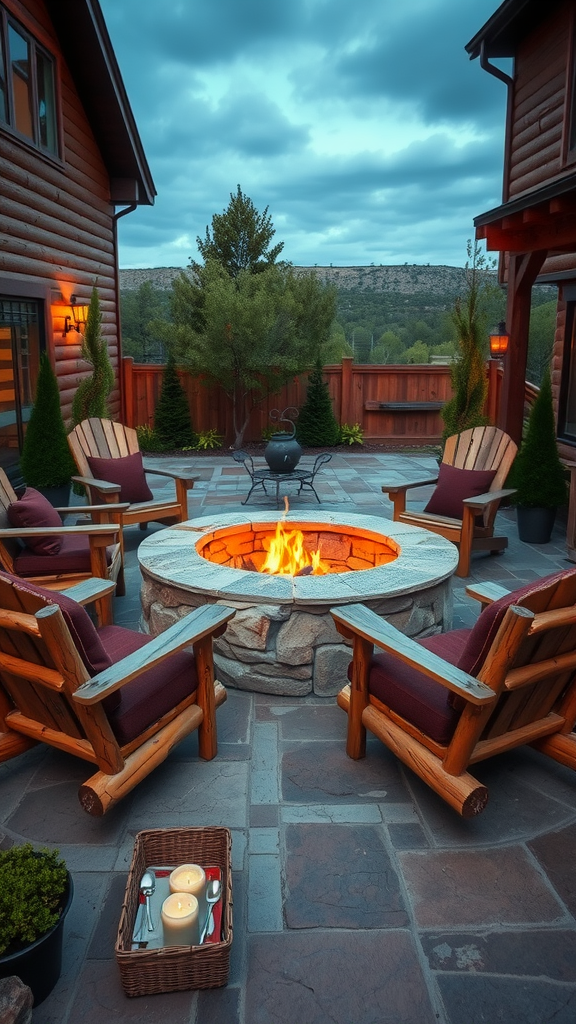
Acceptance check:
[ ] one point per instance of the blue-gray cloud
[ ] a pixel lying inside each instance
(256, 91)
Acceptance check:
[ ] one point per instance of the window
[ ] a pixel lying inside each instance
(20, 346)
(27, 89)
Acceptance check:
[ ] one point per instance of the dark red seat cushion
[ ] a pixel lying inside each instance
(32, 510)
(154, 693)
(127, 471)
(456, 484)
(73, 556)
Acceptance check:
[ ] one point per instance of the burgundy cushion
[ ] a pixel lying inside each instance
(152, 694)
(127, 471)
(456, 484)
(34, 510)
(73, 556)
(489, 622)
(83, 633)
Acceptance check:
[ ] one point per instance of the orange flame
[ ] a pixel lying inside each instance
(287, 556)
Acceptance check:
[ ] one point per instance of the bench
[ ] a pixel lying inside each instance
(403, 406)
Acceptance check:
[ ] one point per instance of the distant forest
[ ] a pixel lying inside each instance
(374, 326)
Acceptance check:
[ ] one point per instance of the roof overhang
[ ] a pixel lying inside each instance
(513, 20)
(81, 30)
(542, 219)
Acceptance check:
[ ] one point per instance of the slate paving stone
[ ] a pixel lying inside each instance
(100, 997)
(471, 887)
(53, 812)
(314, 723)
(471, 999)
(323, 771)
(351, 977)
(556, 852)
(219, 1005)
(340, 876)
(408, 837)
(513, 806)
(107, 918)
(546, 953)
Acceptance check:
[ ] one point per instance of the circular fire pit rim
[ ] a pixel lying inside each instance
(170, 557)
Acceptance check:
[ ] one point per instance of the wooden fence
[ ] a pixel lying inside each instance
(397, 405)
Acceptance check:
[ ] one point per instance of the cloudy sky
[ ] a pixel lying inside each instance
(361, 124)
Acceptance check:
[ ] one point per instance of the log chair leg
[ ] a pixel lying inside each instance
(13, 743)
(561, 747)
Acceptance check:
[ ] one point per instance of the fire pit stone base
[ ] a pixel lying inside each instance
(282, 639)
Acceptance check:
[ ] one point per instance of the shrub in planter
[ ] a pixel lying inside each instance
(46, 461)
(537, 474)
(35, 894)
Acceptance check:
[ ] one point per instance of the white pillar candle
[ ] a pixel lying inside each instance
(191, 878)
(180, 923)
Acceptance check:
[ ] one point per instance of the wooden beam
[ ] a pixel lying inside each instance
(522, 272)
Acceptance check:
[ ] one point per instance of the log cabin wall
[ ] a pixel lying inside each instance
(536, 153)
(56, 221)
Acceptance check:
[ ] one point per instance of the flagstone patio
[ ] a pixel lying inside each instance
(359, 897)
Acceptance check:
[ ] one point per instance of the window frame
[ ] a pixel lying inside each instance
(7, 22)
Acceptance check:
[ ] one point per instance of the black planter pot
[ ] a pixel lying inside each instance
(535, 525)
(39, 964)
(282, 453)
(57, 496)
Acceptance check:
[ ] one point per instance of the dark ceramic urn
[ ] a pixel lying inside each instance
(282, 453)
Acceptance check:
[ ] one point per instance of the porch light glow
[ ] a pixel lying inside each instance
(499, 341)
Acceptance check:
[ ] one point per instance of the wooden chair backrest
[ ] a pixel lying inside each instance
(8, 548)
(37, 687)
(482, 448)
(103, 439)
(528, 693)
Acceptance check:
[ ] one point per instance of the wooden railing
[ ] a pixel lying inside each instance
(397, 405)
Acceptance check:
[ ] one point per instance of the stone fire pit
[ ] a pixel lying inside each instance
(282, 639)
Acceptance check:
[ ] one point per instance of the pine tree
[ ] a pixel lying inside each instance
(469, 384)
(91, 397)
(537, 474)
(46, 459)
(172, 423)
(240, 237)
(316, 426)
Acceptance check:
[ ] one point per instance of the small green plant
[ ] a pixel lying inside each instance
(317, 426)
(148, 439)
(206, 439)
(267, 433)
(351, 435)
(32, 884)
(46, 459)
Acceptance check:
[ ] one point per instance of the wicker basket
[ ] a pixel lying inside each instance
(147, 972)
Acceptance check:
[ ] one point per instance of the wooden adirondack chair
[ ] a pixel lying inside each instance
(111, 696)
(480, 450)
(86, 550)
(120, 475)
(449, 701)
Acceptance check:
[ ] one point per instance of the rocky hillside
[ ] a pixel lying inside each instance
(402, 280)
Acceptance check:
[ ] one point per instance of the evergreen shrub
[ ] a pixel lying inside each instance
(172, 423)
(46, 459)
(537, 473)
(316, 426)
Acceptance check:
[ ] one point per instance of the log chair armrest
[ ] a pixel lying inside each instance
(99, 485)
(48, 531)
(363, 622)
(483, 501)
(70, 510)
(90, 590)
(188, 480)
(407, 485)
(202, 622)
(486, 593)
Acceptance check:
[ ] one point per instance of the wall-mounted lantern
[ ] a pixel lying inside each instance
(78, 319)
(499, 341)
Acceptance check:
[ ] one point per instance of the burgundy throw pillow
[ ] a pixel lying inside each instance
(34, 510)
(79, 623)
(456, 484)
(127, 471)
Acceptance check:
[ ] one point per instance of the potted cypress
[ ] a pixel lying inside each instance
(537, 474)
(35, 895)
(46, 461)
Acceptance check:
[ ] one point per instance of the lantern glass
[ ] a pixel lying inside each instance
(499, 341)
